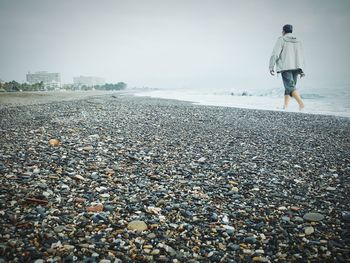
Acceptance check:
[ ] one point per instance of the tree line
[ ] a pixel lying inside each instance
(14, 86)
(107, 86)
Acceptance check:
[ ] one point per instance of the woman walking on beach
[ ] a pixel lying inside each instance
(287, 56)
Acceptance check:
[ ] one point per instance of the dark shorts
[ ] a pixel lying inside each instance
(289, 78)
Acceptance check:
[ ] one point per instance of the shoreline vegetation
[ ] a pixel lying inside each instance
(14, 86)
(121, 178)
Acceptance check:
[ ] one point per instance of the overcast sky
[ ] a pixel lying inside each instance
(172, 43)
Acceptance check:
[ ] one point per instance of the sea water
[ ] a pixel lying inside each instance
(328, 101)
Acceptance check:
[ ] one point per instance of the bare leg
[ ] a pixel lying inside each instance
(297, 97)
(286, 101)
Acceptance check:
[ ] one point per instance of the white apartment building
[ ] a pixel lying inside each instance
(50, 80)
(88, 81)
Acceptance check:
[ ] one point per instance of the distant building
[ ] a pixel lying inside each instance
(88, 81)
(50, 80)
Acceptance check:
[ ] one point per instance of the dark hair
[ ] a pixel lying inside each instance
(288, 28)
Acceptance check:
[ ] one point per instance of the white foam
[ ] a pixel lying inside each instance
(266, 100)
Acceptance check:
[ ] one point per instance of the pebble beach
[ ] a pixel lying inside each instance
(118, 178)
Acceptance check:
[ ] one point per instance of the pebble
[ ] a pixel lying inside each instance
(54, 142)
(285, 218)
(99, 218)
(151, 235)
(248, 251)
(95, 208)
(109, 208)
(235, 189)
(309, 230)
(69, 247)
(88, 148)
(313, 217)
(233, 246)
(230, 230)
(155, 252)
(58, 229)
(294, 208)
(214, 217)
(259, 251)
(297, 219)
(201, 160)
(137, 225)
(94, 176)
(346, 216)
(210, 254)
(250, 240)
(225, 219)
(79, 177)
(80, 200)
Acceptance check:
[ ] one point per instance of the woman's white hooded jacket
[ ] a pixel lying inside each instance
(287, 54)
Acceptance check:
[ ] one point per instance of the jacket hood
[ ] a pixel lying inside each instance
(290, 38)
